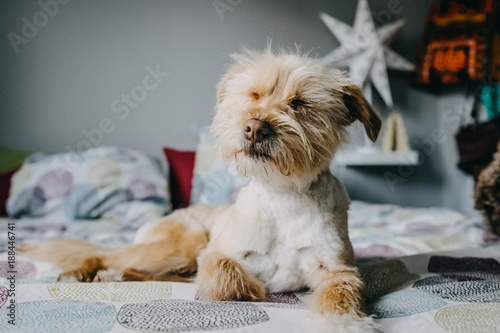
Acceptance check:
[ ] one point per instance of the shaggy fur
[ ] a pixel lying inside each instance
(487, 193)
(280, 118)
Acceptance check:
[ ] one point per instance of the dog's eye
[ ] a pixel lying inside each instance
(255, 95)
(296, 102)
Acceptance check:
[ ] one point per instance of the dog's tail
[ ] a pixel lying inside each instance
(68, 254)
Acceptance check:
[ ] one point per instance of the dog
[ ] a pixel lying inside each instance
(280, 118)
(487, 193)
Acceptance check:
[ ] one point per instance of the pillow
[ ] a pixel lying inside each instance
(5, 179)
(99, 181)
(213, 183)
(181, 168)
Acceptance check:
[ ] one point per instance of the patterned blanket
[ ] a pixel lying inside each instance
(438, 292)
(455, 291)
(390, 231)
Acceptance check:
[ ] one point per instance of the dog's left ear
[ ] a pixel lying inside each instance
(360, 109)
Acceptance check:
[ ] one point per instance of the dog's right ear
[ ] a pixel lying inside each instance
(360, 109)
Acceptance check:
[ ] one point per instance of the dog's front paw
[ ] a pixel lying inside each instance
(224, 279)
(340, 292)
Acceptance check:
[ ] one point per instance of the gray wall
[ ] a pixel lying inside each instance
(64, 79)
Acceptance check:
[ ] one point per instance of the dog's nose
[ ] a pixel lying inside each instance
(257, 130)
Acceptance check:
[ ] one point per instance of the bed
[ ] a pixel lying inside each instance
(457, 290)
(426, 269)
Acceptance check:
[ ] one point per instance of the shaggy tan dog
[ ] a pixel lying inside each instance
(280, 118)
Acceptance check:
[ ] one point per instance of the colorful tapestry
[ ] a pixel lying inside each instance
(460, 43)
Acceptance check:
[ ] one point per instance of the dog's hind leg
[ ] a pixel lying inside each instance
(156, 261)
(132, 274)
(85, 273)
(172, 256)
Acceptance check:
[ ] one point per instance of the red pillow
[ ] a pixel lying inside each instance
(181, 169)
(4, 190)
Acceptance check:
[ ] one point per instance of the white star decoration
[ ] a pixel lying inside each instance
(365, 49)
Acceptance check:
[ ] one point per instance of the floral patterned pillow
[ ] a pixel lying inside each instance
(101, 182)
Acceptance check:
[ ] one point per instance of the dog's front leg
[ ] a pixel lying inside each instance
(338, 291)
(338, 303)
(221, 278)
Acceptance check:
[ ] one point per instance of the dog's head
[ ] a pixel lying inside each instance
(286, 114)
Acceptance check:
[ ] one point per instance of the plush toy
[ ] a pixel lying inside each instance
(487, 193)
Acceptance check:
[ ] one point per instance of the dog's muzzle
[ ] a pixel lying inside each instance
(258, 135)
(257, 130)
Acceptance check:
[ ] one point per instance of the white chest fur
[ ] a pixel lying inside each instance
(282, 235)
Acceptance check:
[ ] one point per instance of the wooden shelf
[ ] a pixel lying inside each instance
(376, 158)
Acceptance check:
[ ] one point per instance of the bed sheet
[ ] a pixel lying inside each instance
(457, 291)
(390, 231)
